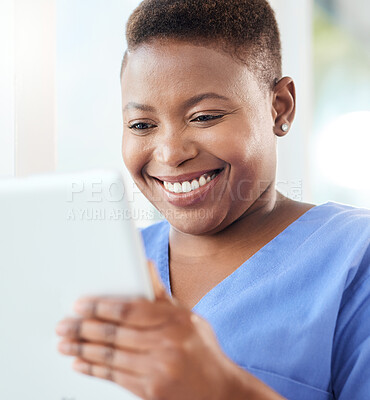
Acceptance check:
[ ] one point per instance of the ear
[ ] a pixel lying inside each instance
(283, 105)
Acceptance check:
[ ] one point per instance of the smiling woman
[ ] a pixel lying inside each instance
(259, 296)
(184, 125)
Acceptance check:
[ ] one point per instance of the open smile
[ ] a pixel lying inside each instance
(188, 190)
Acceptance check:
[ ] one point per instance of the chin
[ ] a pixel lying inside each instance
(196, 222)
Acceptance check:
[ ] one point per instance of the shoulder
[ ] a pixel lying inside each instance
(341, 221)
(346, 235)
(338, 211)
(333, 239)
(334, 229)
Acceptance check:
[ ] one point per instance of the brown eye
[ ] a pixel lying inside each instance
(206, 118)
(140, 126)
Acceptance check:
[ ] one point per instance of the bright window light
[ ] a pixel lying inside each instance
(343, 151)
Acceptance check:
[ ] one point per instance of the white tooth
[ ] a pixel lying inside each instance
(213, 176)
(186, 187)
(170, 187)
(202, 181)
(208, 179)
(165, 185)
(194, 184)
(177, 187)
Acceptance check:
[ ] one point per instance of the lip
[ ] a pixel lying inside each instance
(184, 177)
(190, 198)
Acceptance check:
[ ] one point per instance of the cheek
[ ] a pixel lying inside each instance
(234, 143)
(133, 157)
(251, 155)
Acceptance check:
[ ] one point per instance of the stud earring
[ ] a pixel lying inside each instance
(285, 127)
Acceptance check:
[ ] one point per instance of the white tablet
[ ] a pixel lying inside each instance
(62, 236)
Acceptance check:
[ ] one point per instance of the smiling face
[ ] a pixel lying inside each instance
(198, 134)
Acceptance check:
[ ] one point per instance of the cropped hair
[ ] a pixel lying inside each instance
(245, 29)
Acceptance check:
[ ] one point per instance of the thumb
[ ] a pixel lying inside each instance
(160, 291)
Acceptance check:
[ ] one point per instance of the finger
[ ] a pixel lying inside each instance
(128, 361)
(69, 327)
(135, 313)
(110, 334)
(131, 382)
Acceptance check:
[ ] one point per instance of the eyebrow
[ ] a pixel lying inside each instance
(143, 107)
(200, 97)
(187, 104)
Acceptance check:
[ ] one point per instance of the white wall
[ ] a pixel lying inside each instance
(34, 88)
(27, 112)
(7, 78)
(295, 23)
(90, 45)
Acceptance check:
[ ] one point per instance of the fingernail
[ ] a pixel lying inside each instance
(64, 347)
(81, 367)
(83, 307)
(62, 328)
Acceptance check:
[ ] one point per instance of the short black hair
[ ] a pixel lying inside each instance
(245, 29)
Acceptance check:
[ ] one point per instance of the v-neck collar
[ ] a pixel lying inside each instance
(266, 259)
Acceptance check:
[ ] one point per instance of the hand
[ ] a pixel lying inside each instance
(156, 350)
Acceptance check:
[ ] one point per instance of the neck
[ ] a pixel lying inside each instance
(247, 230)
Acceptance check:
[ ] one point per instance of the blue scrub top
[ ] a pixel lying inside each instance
(297, 313)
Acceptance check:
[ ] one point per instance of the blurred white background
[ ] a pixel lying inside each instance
(60, 107)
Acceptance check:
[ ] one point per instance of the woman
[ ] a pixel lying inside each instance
(263, 296)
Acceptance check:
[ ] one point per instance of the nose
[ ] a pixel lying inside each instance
(174, 148)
